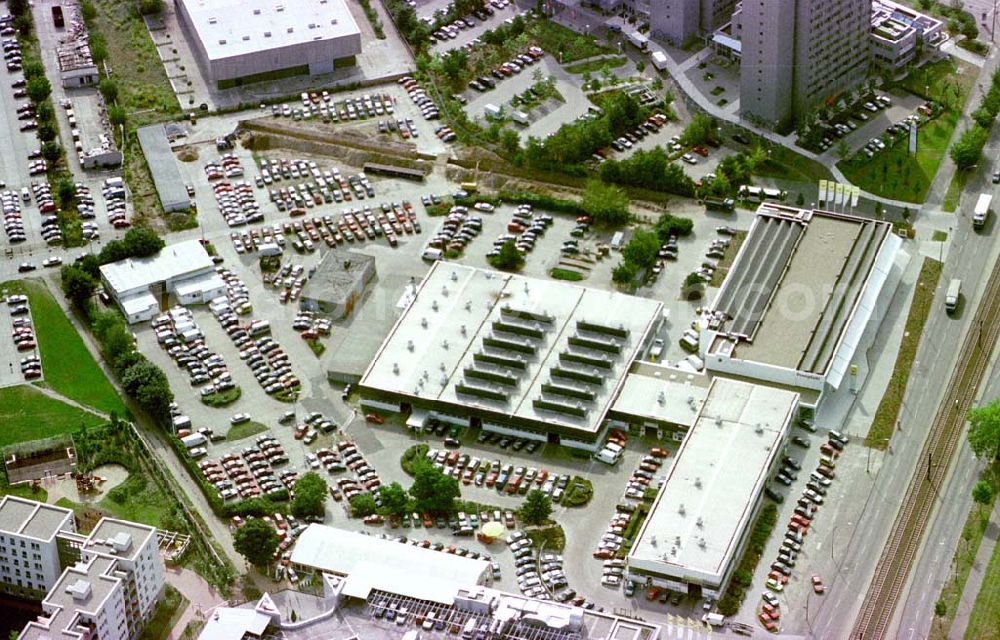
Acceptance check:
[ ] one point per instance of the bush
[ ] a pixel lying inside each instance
(411, 456)
(222, 398)
(579, 491)
(509, 258)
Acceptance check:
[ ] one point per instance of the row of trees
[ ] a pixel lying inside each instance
(413, 29)
(968, 149)
(650, 170)
(431, 492)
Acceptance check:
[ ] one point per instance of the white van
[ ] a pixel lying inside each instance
(953, 294)
(432, 254)
(689, 340)
(269, 249)
(607, 456)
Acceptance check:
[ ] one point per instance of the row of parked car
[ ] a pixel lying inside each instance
(428, 109)
(13, 223)
(310, 326)
(237, 203)
(322, 105)
(317, 186)
(456, 231)
(507, 69)
(494, 474)
(23, 334)
(113, 190)
(524, 229)
(178, 333)
(250, 473)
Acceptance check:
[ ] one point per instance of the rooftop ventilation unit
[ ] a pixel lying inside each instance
(697, 482)
(519, 329)
(462, 330)
(700, 523)
(246, 38)
(222, 41)
(619, 332)
(661, 398)
(701, 543)
(569, 392)
(409, 346)
(514, 362)
(758, 429)
(434, 305)
(544, 404)
(267, 34)
(509, 344)
(680, 510)
(507, 310)
(256, 12)
(213, 20)
(395, 368)
(571, 356)
(490, 393)
(423, 322)
(572, 373)
(499, 377)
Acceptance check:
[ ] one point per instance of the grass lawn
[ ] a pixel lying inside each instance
(897, 174)
(557, 39)
(727, 258)
(168, 611)
(939, 236)
(138, 499)
(968, 546)
(984, 622)
(594, 66)
(548, 538)
(884, 422)
(245, 430)
(144, 89)
(954, 193)
(785, 164)
(28, 414)
(559, 273)
(24, 491)
(67, 366)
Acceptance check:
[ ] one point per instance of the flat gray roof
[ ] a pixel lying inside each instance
(793, 286)
(707, 499)
(170, 186)
(229, 28)
(82, 588)
(539, 350)
(31, 519)
(119, 538)
(337, 276)
(662, 394)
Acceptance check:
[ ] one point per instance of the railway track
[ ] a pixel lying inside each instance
(901, 549)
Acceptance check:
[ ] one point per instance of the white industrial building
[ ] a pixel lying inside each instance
(244, 41)
(369, 563)
(803, 301)
(103, 585)
(538, 359)
(183, 270)
(29, 555)
(698, 526)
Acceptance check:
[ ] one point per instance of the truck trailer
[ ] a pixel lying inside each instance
(982, 210)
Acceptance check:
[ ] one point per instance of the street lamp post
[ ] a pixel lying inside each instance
(869, 463)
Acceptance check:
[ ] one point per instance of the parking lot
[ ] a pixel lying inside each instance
(17, 346)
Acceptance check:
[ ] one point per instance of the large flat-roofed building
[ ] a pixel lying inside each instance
(246, 41)
(803, 300)
(338, 283)
(698, 526)
(534, 358)
(29, 551)
(183, 270)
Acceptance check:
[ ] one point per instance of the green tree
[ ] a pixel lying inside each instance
(606, 204)
(46, 131)
(537, 507)
(142, 242)
(309, 496)
(395, 501)
(508, 259)
(984, 429)
(983, 493)
(147, 383)
(117, 115)
(65, 192)
(967, 151)
(454, 64)
(642, 248)
(623, 273)
(38, 89)
(510, 141)
(698, 131)
(432, 490)
(669, 225)
(52, 152)
(256, 541)
(108, 89)
(363, 504)
(33, 69)
(77, 285)
(148, 7)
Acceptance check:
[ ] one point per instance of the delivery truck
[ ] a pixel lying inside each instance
(953, 294)
(194, 440)
(640, 41)
(982, 211)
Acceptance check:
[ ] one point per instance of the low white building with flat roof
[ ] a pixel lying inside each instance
(369, 563)
(183, 270)
(803, 301)
(698, 526)
(539, 359)
(245, 41)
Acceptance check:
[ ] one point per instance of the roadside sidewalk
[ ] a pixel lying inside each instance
(976, 574)
(202, 598)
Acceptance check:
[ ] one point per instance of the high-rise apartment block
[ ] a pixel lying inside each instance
(797, 54)
(678, 21)
(103, 586)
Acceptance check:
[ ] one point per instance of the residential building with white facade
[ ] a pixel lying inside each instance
(899, 33)
(103, 586)
(29, 550)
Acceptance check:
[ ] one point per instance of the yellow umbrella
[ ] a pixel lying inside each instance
(493, 529)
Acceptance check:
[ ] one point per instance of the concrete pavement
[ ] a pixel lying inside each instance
(201, 597)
